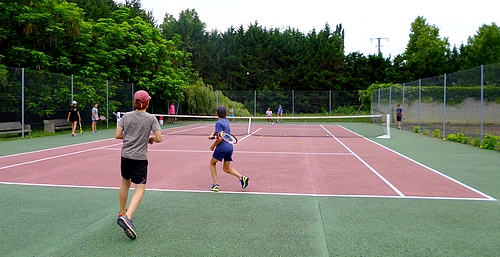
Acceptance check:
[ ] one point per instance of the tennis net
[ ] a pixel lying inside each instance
(288, 126)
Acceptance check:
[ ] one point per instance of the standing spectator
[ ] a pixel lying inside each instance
(95, 118)
(280, 113)
(231, 113)
(399, 115)
(135, 128)
(171, 111)
(74, 117)
(269, 115)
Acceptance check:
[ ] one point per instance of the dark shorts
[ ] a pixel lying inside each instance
(223, 155)
(94, 120)
(135, 170)
(398, 118)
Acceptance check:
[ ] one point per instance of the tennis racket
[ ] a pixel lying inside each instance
(102, 117)
(81, 129)
(226, 136)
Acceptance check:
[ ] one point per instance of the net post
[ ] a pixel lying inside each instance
(388, 124)
(249, 123)
(388, 127)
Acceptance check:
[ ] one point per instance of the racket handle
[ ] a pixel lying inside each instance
(213, 137)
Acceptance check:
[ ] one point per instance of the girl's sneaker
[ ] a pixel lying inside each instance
(215, 187)
(244, 182)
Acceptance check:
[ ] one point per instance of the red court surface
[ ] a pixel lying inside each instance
(337, 164)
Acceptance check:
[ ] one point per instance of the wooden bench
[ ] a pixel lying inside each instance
(50, 126)
(14, 128)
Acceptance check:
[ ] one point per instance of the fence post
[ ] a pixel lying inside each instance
(22, 102)
(133, 100)
(482, 104)
(444, 107)
(107, 104)
(72, 94)
(379, 110)
(330, 102)
(419, 100)
(403, 97)
(293, 102)
(390, 101)
(255, 103)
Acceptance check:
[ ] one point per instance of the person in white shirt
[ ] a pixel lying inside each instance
(95, 118)
(269, 115)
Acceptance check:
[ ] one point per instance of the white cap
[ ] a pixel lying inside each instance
(74, 102)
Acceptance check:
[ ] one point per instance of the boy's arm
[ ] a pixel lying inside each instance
(158, 138)
(119, 133)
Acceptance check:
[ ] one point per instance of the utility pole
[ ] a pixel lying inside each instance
(378, 39)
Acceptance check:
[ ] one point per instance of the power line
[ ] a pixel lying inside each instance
(378, 39)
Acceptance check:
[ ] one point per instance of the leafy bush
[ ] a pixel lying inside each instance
(489, 141)
(425, 132)
(201, 100)
(416, 129)
(461, 138)
(476, 141)
(343, 110)
(437, 133)
(452, 137)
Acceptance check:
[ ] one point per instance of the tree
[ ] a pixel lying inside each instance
(426, 54)
(38, 35)
(132, 50)
(359, 72)
(136, 10)
(323, 59)
(192, 32)
(96, 9)
(484, 47)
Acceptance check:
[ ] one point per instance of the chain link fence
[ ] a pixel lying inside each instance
(297, 102)
(30, 97)
(466, 101)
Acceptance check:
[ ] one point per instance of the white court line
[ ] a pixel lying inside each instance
(210, 125)
(257, 193)
(184, 130)
(425, 166)
(237, 152)
(249, 134)
(72, 153)
(366, 164)
(55, 148)
(291, 194)
(56, 156)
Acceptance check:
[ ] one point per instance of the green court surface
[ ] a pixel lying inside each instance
(63, 221)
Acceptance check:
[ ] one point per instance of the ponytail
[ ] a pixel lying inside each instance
(139, 105)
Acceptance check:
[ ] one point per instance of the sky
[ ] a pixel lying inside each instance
(364, 22)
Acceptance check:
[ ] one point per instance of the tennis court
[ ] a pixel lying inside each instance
(309, 185)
